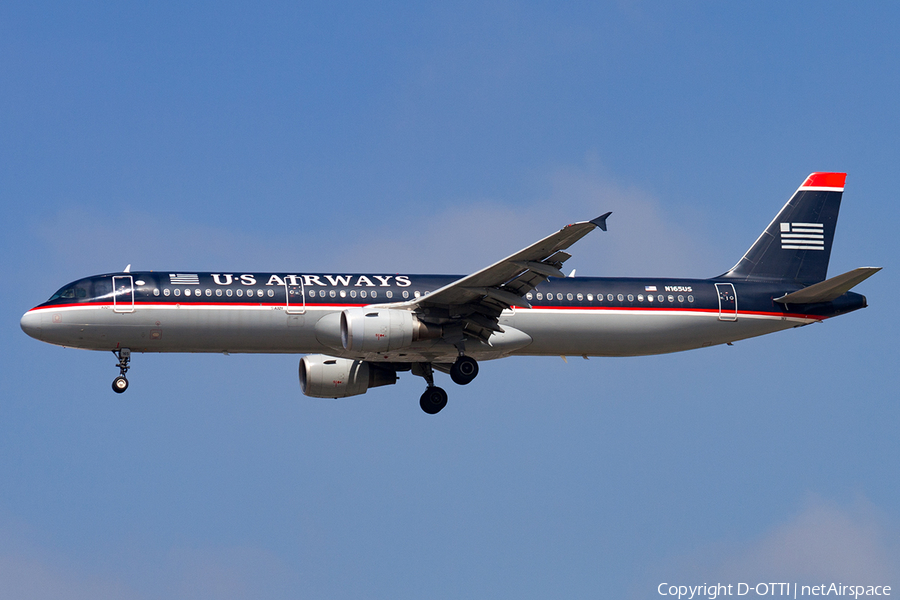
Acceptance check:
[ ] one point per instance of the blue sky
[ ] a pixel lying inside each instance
(397, 137)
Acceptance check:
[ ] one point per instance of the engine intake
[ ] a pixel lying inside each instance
(382, 329)
(328, 377)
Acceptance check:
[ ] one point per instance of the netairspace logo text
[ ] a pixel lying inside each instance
(792, 590)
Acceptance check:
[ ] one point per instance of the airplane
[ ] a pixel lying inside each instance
(359, 331)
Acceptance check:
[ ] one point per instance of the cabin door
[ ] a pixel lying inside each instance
(295, 296)
(123, 293)
(727, 302)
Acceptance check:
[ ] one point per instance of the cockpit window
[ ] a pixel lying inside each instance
(72, 292)
(83, 290)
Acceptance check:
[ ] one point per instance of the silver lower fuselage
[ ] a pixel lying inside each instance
(272, 329)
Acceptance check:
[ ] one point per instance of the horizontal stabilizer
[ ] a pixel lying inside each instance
(828, 290)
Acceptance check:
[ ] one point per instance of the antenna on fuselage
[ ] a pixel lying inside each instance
(127, 269)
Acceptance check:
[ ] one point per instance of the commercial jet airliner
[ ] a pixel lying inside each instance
(360, 330)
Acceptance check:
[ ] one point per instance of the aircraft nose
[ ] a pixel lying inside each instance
(31, 324)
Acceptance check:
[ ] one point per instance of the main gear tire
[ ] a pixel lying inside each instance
(464, 370)
(433, 400)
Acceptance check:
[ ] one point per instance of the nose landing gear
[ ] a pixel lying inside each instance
(120, 383)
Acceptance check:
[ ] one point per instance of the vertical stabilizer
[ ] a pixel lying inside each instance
(796, 246)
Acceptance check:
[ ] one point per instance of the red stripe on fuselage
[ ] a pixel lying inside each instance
(342, 306)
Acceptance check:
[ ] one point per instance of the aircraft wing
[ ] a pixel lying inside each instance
(475, 302)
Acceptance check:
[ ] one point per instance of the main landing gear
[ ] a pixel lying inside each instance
(434, 399)
(464, 370)
(120, 384)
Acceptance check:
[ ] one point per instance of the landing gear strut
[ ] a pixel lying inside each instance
(434, 399)
(120, 384)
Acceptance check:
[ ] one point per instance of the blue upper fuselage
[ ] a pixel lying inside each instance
(346, 290)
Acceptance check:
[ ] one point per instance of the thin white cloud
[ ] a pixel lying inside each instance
(29, 572)
(27, 578)
(823, 543)
(644, 238)
(224, 573)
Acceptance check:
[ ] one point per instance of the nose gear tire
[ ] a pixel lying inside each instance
(119, 384)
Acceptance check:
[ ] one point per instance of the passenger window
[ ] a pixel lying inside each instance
(405, 294)
(177, 292)
(690, 298)
(187, 291)
(569, 297)
(312, 293)
(620, 297)
(343, 293)
(630, 298)
(680, 298)
(540, 296)
(353, 293)
(609, 297)
(240, 292)
(671, 298)
(228, 292)
(166, 292)
(218, 292)
(271, 293)
(640, 297)
(529, 296)
(649, 297)
(362, 293)
(156, 292)
(580, 297)
(208, 292)
(559, 296)
(321, 293)
(332, 293)
(590, 297)
(389, 294)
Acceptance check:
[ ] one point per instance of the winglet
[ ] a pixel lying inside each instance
(601, 221)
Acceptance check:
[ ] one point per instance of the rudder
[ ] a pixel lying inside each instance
(796, 246)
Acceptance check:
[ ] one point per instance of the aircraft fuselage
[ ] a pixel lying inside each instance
(295, 313)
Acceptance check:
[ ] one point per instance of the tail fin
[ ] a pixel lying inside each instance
(796, 246)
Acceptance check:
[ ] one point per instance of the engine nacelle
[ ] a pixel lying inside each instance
(382, 329)
(328, 377)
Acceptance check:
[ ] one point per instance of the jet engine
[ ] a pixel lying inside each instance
(328, 377)
(382, 329)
